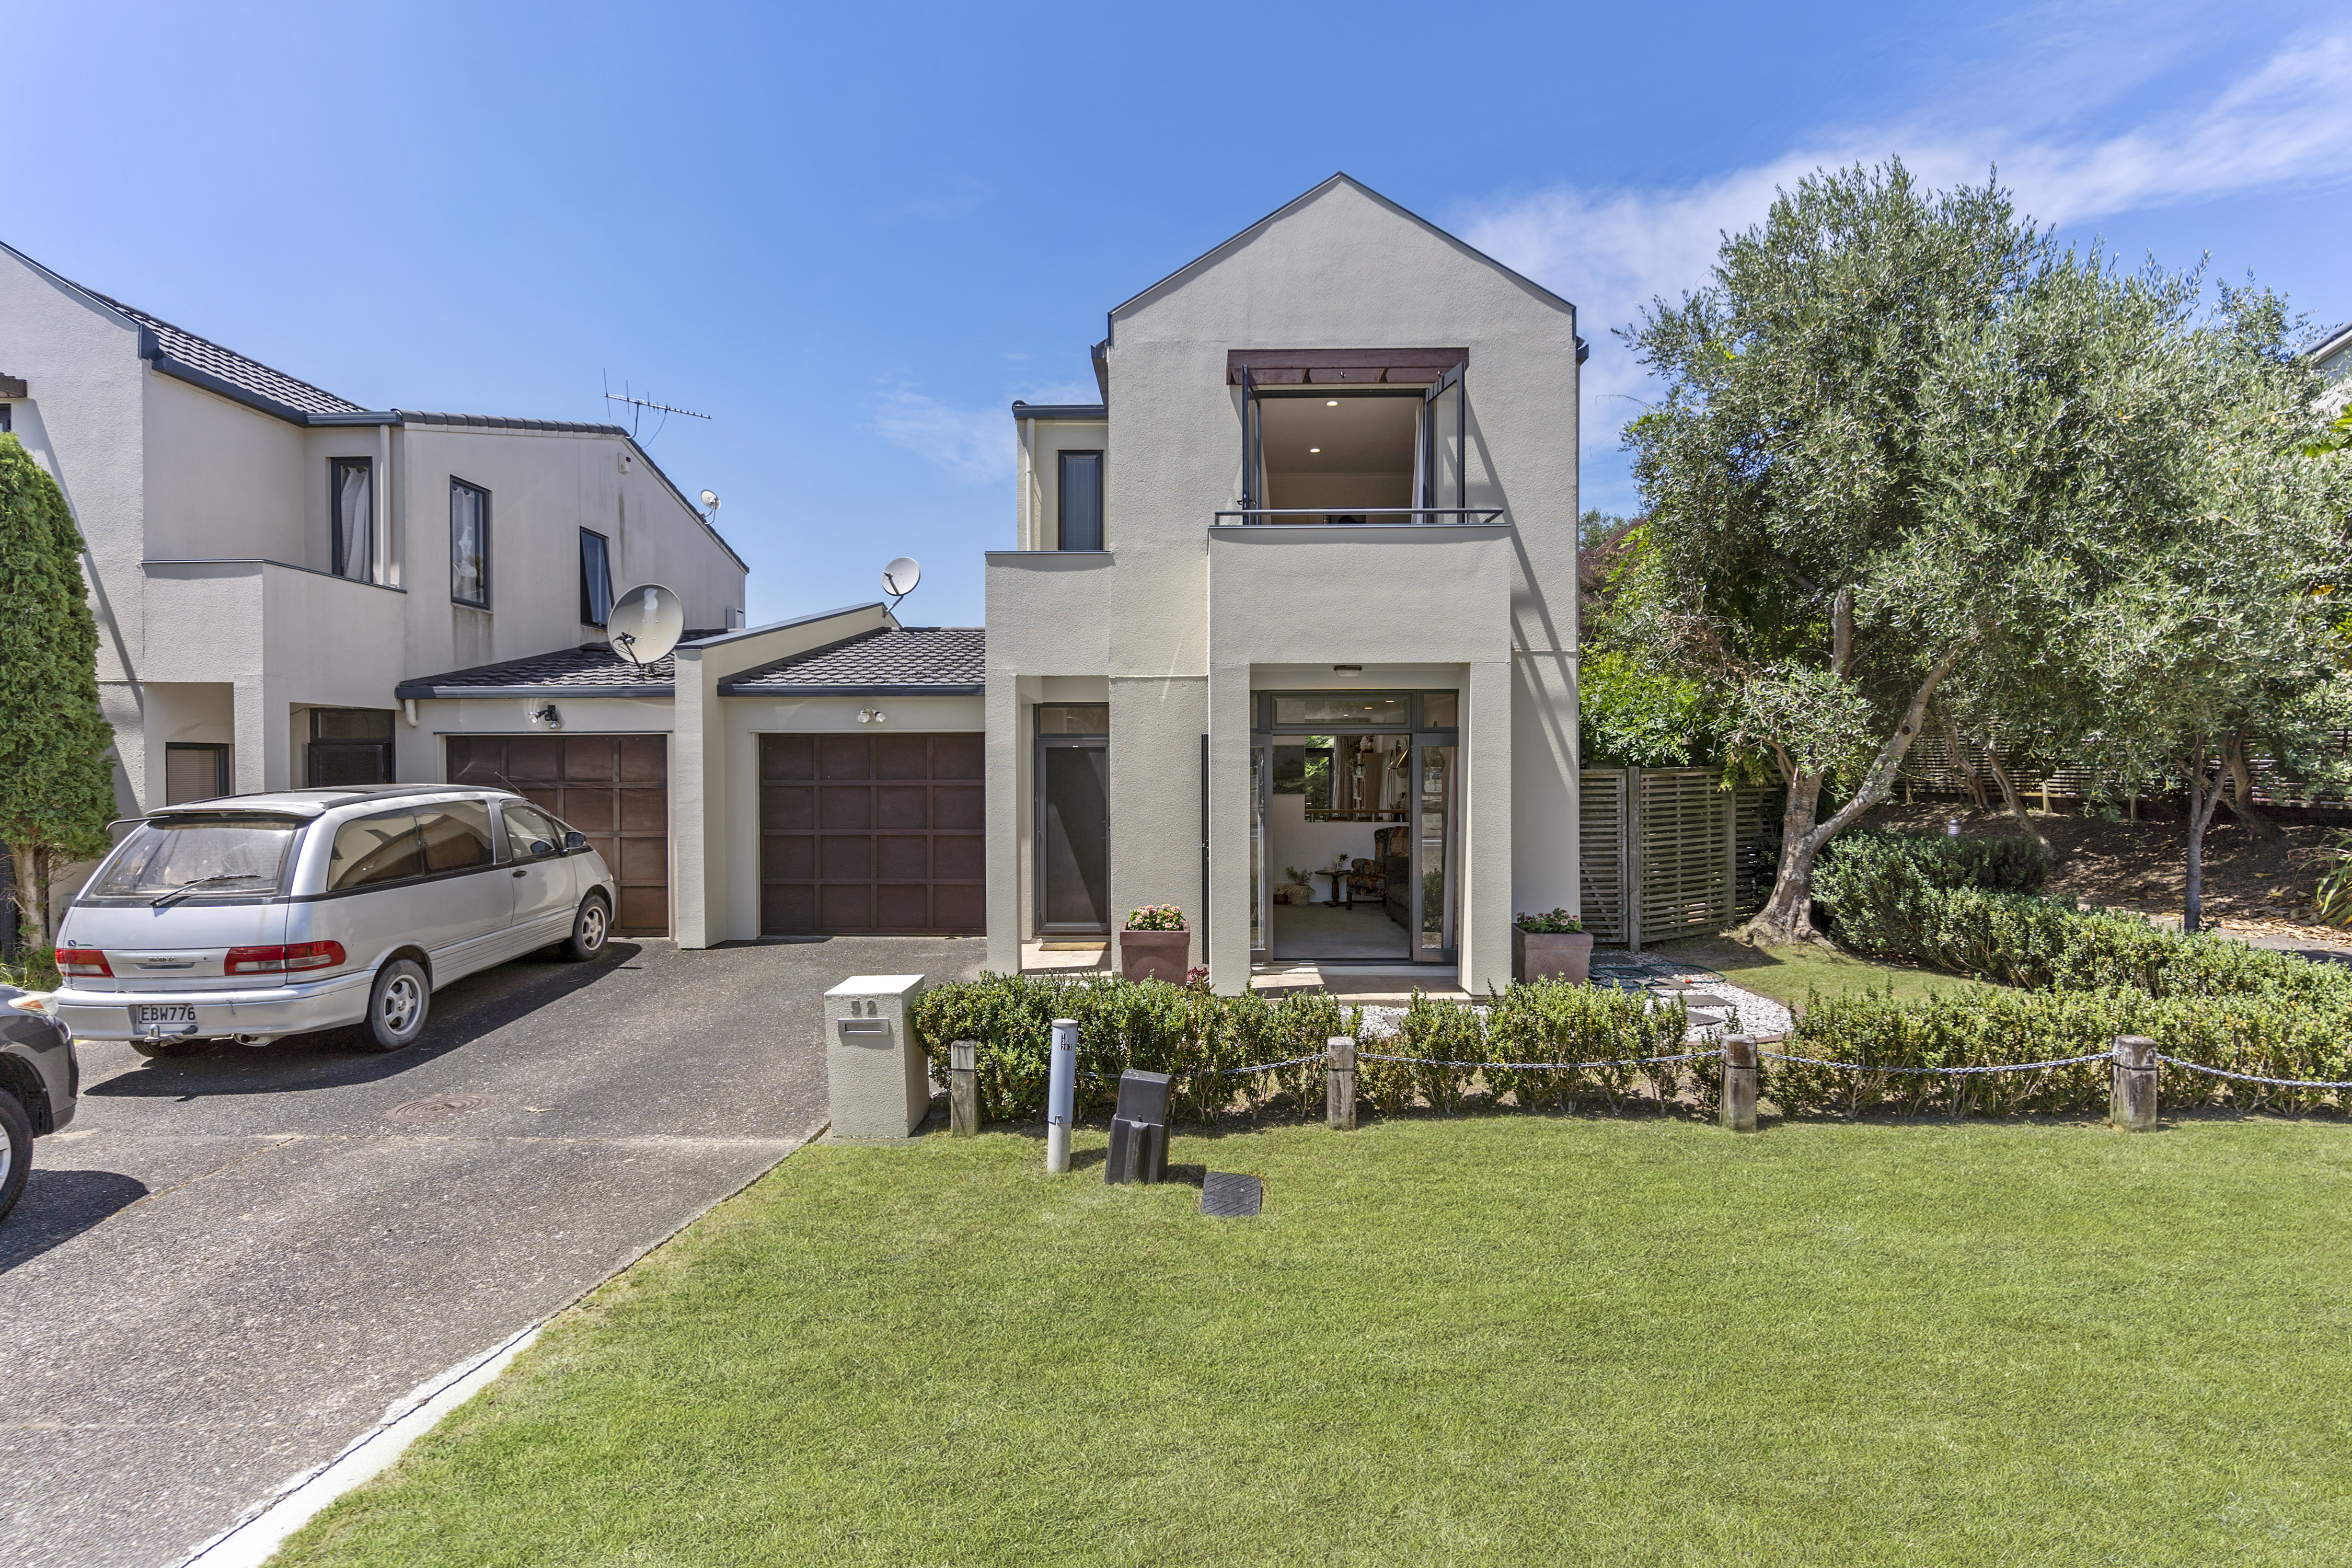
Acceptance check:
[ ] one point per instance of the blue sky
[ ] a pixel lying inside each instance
(854, 235)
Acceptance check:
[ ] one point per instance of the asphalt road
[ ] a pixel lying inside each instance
(231, 1265)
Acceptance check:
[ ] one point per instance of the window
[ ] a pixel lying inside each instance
(350, 495)
(456, 835)
(1082, 500)
(4, 426)
(350, 746)
(469, 544)
(1073, 719)
(230, 855)
(375, 849)
(193, 773)
(595, 578)
(527, 829)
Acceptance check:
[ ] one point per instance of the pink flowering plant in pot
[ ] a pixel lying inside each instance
(1551, 945)
(1156, 944)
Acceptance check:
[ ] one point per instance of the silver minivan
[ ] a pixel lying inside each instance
(255, 916)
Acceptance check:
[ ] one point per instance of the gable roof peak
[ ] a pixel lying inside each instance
(1306, 198)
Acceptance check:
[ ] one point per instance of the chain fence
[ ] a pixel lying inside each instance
(2256, 1078)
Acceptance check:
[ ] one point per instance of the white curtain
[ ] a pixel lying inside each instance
(467, 568)
(355, 523)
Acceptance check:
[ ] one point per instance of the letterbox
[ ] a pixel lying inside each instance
(1139, 1130)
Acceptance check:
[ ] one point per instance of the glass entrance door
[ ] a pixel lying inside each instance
(1436, 848)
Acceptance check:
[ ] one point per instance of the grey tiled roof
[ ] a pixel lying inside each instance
(227, 365)
(946, 661)
(500, 422)
(593, 670)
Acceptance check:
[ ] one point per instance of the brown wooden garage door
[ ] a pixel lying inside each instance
(872, 835)
(613, 788)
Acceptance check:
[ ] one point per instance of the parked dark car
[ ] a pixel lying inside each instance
(39, 1082)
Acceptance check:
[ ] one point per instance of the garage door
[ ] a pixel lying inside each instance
(872, 835)
(613, 788)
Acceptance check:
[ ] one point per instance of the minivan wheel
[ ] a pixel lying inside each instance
(15, 1149)
(591, 928)
(397, 1004)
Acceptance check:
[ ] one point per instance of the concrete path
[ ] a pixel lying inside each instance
(232, 1264)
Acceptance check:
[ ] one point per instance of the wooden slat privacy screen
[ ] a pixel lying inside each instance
(1683, 844)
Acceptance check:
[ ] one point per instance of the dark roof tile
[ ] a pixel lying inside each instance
(227, 365)
(947, 661)
(594, 671)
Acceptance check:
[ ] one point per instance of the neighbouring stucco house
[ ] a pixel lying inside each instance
(269, 562)
(2330, 354)
(1298, 595)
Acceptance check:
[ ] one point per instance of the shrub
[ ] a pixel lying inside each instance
(1555, 922)
(1196, 1037)
(2275, 1037)
(1156, 917)
(1558, 1021)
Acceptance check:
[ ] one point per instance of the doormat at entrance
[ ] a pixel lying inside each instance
(1226, 1196)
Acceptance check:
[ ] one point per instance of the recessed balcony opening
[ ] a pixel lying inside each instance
(1346, 457)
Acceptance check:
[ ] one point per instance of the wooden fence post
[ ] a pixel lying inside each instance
(2131, 1105)
(1340, 1084)
(1739, 1083)
(963, 1088)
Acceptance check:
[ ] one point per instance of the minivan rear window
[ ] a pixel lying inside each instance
(372, 849)
(207, 856)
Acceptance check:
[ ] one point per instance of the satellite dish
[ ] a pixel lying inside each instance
(645, 623)
(900, 576)
(711, 500)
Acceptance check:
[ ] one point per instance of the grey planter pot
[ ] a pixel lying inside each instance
(1558, 955)
(1155, 954)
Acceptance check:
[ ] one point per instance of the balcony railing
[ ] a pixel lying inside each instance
(1340, 517)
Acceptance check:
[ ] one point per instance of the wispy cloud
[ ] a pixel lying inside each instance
(2288, 122)
(972, 445)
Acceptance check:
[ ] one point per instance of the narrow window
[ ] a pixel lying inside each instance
(1082, 499)
(193, 773)
(5, 418)
(351, 505)
(595, 578)
(469, 544)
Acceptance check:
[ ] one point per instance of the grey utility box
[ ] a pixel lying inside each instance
(1139, 1131)
(877, 1077)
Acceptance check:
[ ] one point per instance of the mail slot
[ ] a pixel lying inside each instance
(866, 1026)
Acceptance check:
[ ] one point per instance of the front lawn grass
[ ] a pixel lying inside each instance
(1489, 1339)
(1786, 973)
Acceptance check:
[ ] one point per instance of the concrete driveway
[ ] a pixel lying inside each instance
(232, 1264)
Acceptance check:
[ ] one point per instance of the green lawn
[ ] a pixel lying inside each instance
(1492, 1340)
(1786, 973)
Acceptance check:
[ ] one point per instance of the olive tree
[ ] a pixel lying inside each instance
(56, 779)
(1903, 436)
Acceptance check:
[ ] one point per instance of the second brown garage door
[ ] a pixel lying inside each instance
(613, 788)
(872, 835)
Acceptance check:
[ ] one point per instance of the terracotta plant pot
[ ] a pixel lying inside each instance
(1155, 954)
(1555, 955)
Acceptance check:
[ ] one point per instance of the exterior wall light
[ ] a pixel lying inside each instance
(550, 716)
(1350, 670)
(872, 716)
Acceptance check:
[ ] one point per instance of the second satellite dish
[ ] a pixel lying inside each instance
(645, 623)
(900, 576)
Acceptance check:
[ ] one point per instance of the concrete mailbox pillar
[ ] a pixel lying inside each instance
(878, 1079)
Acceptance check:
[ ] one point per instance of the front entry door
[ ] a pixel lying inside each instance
(1073, 834)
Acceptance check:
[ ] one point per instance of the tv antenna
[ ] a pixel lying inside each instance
(637, 406)
(645, 624)
(900, 578)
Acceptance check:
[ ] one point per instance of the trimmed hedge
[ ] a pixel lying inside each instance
(1860, 858)
(1201, 1038)
(2272, 1036)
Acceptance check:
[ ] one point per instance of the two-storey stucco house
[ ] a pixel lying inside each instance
(1288, 633)
(269, 562)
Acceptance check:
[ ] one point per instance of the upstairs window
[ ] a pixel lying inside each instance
(469, 544)
(350, 497)
(595, 578)
(1082, 500)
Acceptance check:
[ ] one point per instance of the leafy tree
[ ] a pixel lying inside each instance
(1634, 714)
(56, 782)
(1907, 441)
